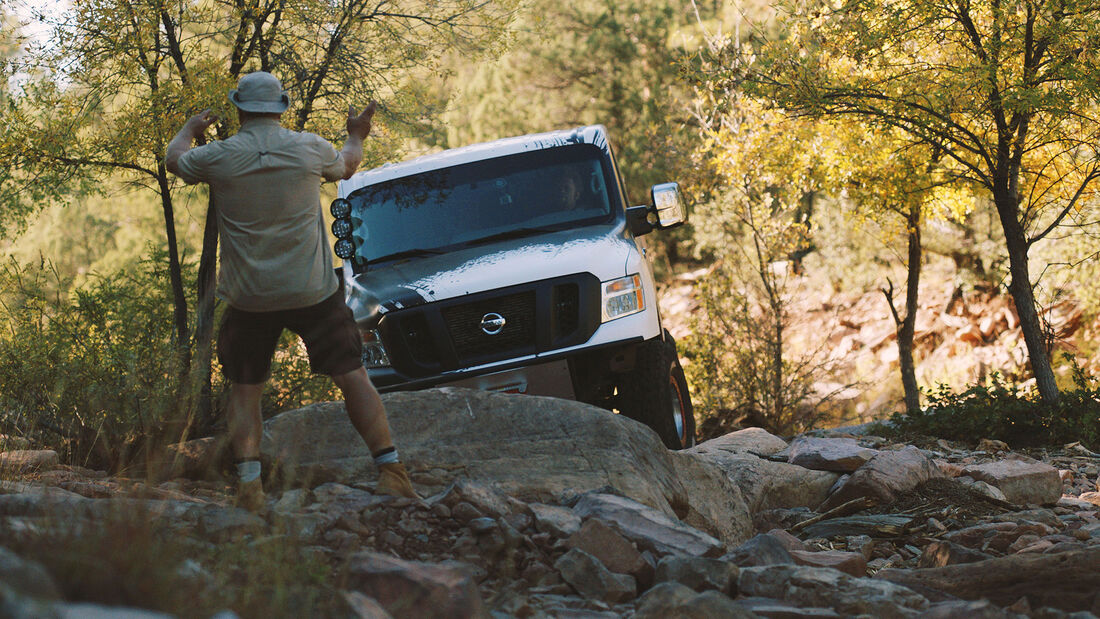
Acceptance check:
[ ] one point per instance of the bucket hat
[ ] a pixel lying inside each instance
(260, 92)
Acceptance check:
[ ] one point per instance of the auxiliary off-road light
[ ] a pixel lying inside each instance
(344, 249)
(622, 297)
(374, 353)
(341, 228)
(340, 208)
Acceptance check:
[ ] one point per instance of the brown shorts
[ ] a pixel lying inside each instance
(247, 340)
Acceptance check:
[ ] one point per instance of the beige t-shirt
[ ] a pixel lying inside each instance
(266, 185)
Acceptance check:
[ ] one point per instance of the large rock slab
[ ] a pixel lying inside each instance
(885, 475)
(535, 448)
(843, 455)
(1021, 481)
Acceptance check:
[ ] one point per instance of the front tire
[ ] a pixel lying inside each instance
(655, 393)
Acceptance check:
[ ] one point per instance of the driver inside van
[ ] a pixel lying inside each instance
(569, 192)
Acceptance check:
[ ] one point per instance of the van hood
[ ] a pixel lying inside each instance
(603, 250)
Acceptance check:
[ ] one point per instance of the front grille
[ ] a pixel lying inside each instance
(447, 335)
(418, 339)
(567, 310)
(517, 336)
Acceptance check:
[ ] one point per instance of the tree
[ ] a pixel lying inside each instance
(1005, 92)
(768, 171)
(585, 62)
(118, 78)
(900, 184)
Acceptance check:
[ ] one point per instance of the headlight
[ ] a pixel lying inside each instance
(622, 297)
(374, 353)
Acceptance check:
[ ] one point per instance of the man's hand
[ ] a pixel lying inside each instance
(359, 125)
(189, 132)
(199, 123)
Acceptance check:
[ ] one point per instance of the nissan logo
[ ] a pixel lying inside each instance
(492, 323)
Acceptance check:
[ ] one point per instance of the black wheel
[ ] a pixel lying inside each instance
(655, 393)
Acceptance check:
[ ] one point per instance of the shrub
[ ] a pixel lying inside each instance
(741, 368)
(96, 373)
(89, 373)
(1006, 413)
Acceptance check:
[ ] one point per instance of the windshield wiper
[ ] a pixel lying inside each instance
(408, 253)
(515, 234)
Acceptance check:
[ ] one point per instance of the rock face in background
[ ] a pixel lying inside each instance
(541, 508)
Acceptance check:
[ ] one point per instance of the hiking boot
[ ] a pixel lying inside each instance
(393, 480)
(250, 495)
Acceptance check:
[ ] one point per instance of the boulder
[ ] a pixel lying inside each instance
(29, 578)
(843, 455)
(534, 448)
(648, 528)
(414, 589)
(884, 476)
(363, 607)
(28, 461)
(1022, 481)
(593, 580)
(852, 563)
(755, 441)
(613, 550)
(699, 573)
(672, 600)
(763, 549)
(768, 485)
(554, 519)
(942, 552)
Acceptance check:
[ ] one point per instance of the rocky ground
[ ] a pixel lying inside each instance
(537, 507)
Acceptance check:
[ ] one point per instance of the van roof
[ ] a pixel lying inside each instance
(592, 134)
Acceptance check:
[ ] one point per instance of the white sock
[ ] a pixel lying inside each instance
(248, 470)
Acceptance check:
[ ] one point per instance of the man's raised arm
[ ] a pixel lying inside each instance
(358, 130)
(181, 143)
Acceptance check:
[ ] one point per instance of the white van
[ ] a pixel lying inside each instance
(515, 265)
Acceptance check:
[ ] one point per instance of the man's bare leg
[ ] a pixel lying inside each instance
(244, 420)
(245, 432)
(368, 415)
(365, 409)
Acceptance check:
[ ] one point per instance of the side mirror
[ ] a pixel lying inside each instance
(668, 204)
(638, 220)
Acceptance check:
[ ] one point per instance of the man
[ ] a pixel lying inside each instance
(276, 268)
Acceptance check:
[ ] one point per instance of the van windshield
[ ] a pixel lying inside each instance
(483, 201)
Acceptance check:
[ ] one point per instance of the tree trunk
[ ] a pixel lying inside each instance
(908, 325)
(204, 327)
(1024, 298)
(175, 273)
(1066, 580)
